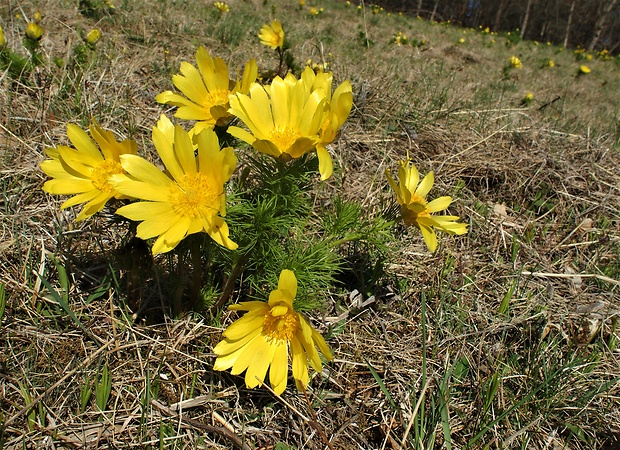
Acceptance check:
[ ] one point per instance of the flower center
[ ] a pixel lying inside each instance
(416, 208)
(195, 195)
(280, 327)
(216, 98)
(102, 173)
(284, 139)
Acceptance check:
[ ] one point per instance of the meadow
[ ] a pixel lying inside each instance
(503, 337)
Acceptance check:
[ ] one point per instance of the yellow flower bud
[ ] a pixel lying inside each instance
(34, 31)
(93, 36)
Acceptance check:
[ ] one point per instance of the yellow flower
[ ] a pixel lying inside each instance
(85, 170)
(461, 40)
(551, 63)
(417, 211)
(583, 69)
(284, 121)
(515, 62)
(400, 38)
(185, 199)
(528, 98)
(262, 338)
(272, 35)
(2, 39)
(337, 110)
(34, 31)
(93, 36)
(37, 16)
(206, 90)
(222, 7)
(313, 11)
(302, 3)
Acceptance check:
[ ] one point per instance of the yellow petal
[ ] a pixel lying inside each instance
(305, 337)
(257, 369)
(246, 355)
(300, 363)
(430, 238)
(166, 153)
(184, 151)
(80, 198)
(426, 185)
(143, 171)
(190, 83)
(325, 162)
(320, 342)
(288, 283)
(218, 230)
(247, 324)
(64, 187)
(89, 154)
(279, 368)
(228, 346)
(439, 204)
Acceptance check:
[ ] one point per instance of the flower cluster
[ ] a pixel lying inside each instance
(285, 118)
(222, 7)
(515, 62)
(400, 39)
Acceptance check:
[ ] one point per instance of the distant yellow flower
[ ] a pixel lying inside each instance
(34, 31)
(2, 39)
(188, 198)
(222, 7)
(313, 11)
(551, 63)
(461, 40)
(588, 57)
(417, 211)
(110, 4)
(93, 36)
(400, 39)
(302, 3)
(583, 69)
(272, 35)
(207, 89)
(86, 170)
(262, 339)
(528, 98)
(37, 16)
(516, 62)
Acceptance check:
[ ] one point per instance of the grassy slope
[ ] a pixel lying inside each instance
(539, 187)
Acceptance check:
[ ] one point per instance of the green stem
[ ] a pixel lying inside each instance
(230, 284)
(281, 53)
(196, 257)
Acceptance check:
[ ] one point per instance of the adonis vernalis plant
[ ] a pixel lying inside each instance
(291, 117)
(206, 90)
(188, 198)
(417, 211)
(262, 339)
(85, 170)
(272, 35)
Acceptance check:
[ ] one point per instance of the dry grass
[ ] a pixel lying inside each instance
(433, 350)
